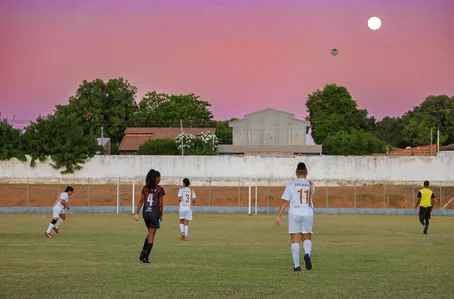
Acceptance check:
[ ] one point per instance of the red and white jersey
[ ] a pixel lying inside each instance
(186, 196)
(64, 196)
(300, 193)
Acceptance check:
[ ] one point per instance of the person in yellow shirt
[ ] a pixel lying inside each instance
(425, 203)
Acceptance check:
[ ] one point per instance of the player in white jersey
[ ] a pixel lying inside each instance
(59, 211)
(299, 196)
(186, 197)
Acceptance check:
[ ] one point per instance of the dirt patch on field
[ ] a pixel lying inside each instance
(378, 196)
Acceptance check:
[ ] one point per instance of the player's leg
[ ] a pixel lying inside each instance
(153, 226)
(55, 216)
(143, 252)
(427, 218)
(61, 218)
(187, 218)
(306, 236)
(181, 216)
(422, 215)
(294, 229)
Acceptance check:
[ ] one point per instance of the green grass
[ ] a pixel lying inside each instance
(227, 256)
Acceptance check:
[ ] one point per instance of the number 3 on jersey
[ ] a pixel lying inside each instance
(187, 197)
(306, 195)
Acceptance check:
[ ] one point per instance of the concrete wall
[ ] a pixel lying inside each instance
(279, 170)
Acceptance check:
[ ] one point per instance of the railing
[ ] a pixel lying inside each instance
(218, 191)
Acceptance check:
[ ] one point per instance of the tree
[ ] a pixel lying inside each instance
(332, 110)
(434, 112)
(390, 130)
(62, 139)
(158, 147)
(10, 142)
(163, 110)
(354, 142)
(99, 104)
(223, 131)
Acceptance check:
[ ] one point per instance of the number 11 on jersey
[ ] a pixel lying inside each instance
(306, 193)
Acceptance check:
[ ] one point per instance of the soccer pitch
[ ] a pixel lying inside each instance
(227, 256)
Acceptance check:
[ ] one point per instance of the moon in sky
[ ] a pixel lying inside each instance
(374, 23)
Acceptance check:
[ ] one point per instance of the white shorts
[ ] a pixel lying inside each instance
(56, 212)
(300, 224)
(185, 214)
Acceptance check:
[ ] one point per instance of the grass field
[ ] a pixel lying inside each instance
(227, 256)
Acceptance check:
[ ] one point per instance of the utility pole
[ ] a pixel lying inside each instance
(438, 140)
(431, 140)
(102, 139)
(182, 147)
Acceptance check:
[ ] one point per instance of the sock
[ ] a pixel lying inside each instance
(186, 230)
(145, 244)
(149, 247)
(49, 229)
(59, 222)
(427, 222)
(307, 246)
(296, 254)
(182, 228)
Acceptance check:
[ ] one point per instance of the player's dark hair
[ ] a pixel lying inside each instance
(301, 168)
(426, 183)
(69, 188)
(186, 182)
(150, 180)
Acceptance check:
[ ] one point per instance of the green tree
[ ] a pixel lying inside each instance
(99, 104)
(390, 130)
(62, 139)
(10, 142)
(163, 110)
(223, 131)
(434, 112)
(353, 143)
(332, 110)
(158, 147)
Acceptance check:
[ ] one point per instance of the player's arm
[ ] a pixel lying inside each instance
(64, 203)
(193, 196)
(432, 201)
(284, 204)
(419, 200)
(161, 205)
(139, 206)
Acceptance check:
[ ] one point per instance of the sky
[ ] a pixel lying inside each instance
(239, 55)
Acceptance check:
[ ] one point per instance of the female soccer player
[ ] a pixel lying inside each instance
(152, 199)
(59, 211)
(186, 197)
(298, 196)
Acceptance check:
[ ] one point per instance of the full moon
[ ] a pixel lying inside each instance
(374, 23)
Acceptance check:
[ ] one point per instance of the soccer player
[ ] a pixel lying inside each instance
(298, 196)
(152, 199)
(186, 197)
(59, 211)
(425, 203)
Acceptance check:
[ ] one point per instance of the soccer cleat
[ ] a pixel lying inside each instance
(307, 260)
(48, 235)
(55, 229)
(185, 238)
(146, 261)
(297, 269)
(425, 229)
(182, 236)
(142, 255)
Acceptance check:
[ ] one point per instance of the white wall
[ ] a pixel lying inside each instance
(321, 168)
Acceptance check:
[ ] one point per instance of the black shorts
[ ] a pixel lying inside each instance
(424, 213)
(153, 222)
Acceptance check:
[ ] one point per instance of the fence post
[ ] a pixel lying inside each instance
(133, 193)
(249, 197)
(268, 192)
(256, 196)
(354, 204)
(441, 193)
(239, 191)
(88, 192)
(59, 182)
(209, 193)
(412, 195)
(384, 195)
(326, 184)
(26, 199)
(118, 194)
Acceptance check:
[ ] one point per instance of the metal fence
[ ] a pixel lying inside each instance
(217, 191)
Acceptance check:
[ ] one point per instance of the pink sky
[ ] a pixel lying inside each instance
(241, 56)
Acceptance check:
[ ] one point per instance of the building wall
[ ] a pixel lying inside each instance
(332, 168)
(268, 127)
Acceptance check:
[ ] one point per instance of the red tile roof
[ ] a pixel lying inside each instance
(135, 137)
(449, 147)
(424, 150)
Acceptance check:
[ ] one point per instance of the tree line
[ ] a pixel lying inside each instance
(68, 136)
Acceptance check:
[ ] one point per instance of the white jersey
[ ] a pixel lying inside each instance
(186, 196)
(300, 193)
(65, 197)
